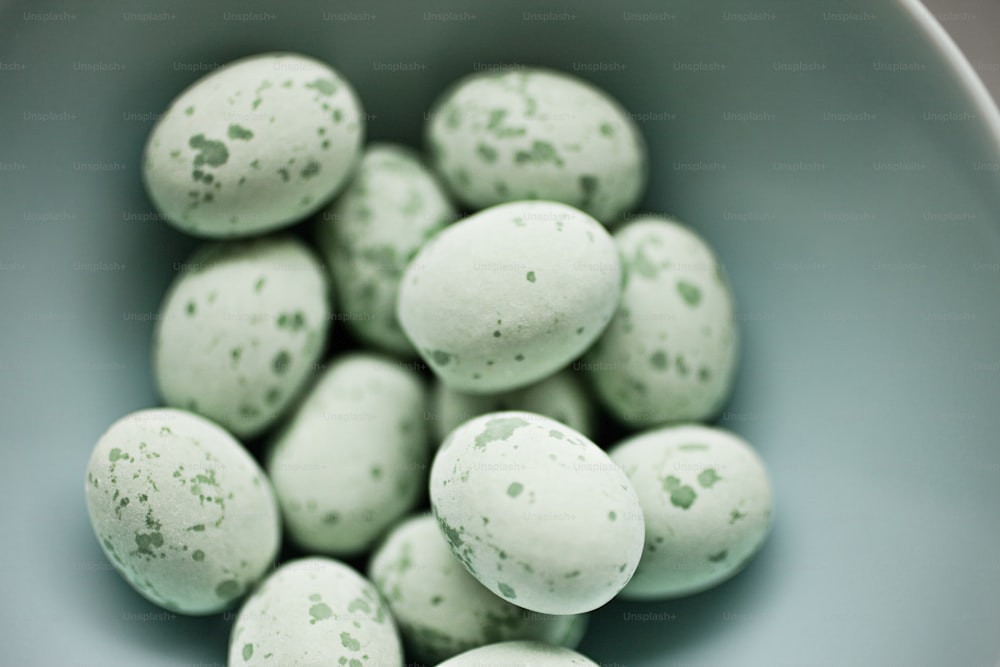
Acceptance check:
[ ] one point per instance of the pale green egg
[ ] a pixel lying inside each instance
(671, 352)
(707, 502)
(353, 458)
(315, 611)
(240, 331)
(181, 510)
(509, 295)
(441, 609)
(536, 512)
(371, 232)
(537, 134)
(520, 654)
(255, 145)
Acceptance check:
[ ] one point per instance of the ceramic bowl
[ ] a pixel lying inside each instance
(843, 159)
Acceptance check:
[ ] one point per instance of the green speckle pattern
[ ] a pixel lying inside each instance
(372, 231)
(499, 429)
(440, 357)
(487, 153)
(689, 292)
(323, 86)
(311, 169)
(349, 642)
(547, 136)
(506, 591)
(322, 600)
(164, 504)
(540, 151)
(254, 118)
(677, 362)
(227, 589)
(681, 495)
(501, 525)
(319, 612)
(294, 321)
(708, 477)
(281, 362)
(238, 132)
(210, 153)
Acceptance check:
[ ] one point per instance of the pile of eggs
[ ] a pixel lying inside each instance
(511, 263)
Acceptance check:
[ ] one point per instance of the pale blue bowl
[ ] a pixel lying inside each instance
(843, 159)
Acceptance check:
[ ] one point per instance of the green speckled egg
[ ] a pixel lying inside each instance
(353, 458)
(536, 512)
(707, 502)
(183, 512)
(441, 609)
(256, 145)
(240, 331)
(510, 295)
(537, 134)
(372, 231)
(315, 611)
(560, 396)
(671, 352)
(519, 654)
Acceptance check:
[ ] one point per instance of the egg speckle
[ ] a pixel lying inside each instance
(707, 502)
(256, 145)
(181, 510)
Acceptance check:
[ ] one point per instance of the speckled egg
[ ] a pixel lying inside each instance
(240, 330)
(353, 458)
(315, 611)
(561, 396)
(181, 510)
(372, 231)
(441, 609)
(537, 134)
(520, 654)
(536, 512)
(671, 352)
(509, 295)
(707, 502)
(256, 145)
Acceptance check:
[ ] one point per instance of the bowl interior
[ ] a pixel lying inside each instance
(833, 155)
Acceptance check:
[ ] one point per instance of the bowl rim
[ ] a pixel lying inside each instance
(956, 60)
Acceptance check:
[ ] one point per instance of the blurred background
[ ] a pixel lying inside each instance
(974, 25)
